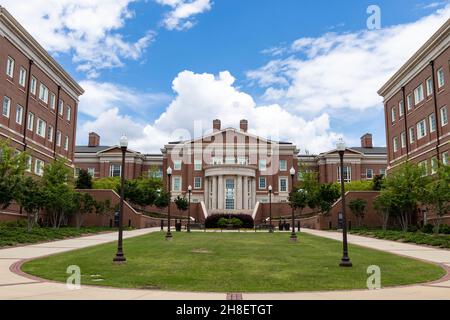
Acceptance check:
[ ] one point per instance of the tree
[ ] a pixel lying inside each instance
(326, 196)
(406, 187)
(31, 197)
(84, 180)
(109, 183)
(182, 203)
(58, 192)
(298, 199)
(163, 200)
(358, 207)
(12, 168)
(386, 204)
(83, 204)
(377, 182)
(437, 194)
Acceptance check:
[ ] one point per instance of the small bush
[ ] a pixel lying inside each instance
(237, 223)
(222, 223)
(412, 228)
(428, 228)
(444, 229)
(213, 220)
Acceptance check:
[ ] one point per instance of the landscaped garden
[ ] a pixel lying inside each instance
(233, 262)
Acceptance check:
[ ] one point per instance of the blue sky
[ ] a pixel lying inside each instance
(305, 71)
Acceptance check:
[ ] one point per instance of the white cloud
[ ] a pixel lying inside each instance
(337, 71)
(85, 28)
(200, 98)
(183, 11)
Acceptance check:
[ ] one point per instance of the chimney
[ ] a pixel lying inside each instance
(243, 125)
(216, 125)
(366, 141)
(94, 139)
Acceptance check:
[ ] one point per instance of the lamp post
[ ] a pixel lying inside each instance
(169, 175)
(189, 210)
(293, 235)
(270, 209)
(345, 261)
(120, 257)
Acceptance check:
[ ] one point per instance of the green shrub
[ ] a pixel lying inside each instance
(222, 223)
(412, 228)
(237, 223)
(444, 229)
(428, 228)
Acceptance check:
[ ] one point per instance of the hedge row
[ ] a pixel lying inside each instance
(212, 221)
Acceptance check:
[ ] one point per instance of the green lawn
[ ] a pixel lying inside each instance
(233, 262)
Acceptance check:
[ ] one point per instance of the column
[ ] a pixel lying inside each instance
(220, 193)
(206, 187)
(214, 193)
(245, 193)
(253, 193)
(239, 193)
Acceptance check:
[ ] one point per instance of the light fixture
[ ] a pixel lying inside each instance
(124, 141)
(190, 188)
(270, 189)
(292, 171)
(340, 145)
(169, 171)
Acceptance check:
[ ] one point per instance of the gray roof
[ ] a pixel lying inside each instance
(374, 150)
(86, 149)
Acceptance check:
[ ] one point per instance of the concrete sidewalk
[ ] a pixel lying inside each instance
(13, 285)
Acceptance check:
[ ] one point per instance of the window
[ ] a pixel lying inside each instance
(115, 170)
(58, 139)
(10, 67)
(197, 183)
(198, 165)
(6, 106)
(29, 164)
(347, 174)
(230, 160)
(52, 101)
(69, 113)
(61, 107)
(19, 114)
(50, 133)
(444, 116)
(33, 85)
(421, 129)
(262, 165)
(382, 172)
(66, 143)
(40, 127)
(403, 139)
(409, 101)
(445, 158)
(39, 167)
(429, 87)
(369, 173)
(242, 161)
(43, 93)
(22, 76)
(424, 166)
(412, 136)
(217, 161)
(177, 165)
(77, 172)
(393, 116)
(401, 109)
(176, 184)
(262, 183)
(418, 94)
(432, 122)
(283, 184)
(157, 173)
(395, 144)
(434, 165)
(91, 171)
(283, 165)
(30, 121)
(440, 77)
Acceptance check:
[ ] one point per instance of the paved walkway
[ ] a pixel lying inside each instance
(16, 286)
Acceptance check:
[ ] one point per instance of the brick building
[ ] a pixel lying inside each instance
(360, 163)
(416, 105)
(39, 98)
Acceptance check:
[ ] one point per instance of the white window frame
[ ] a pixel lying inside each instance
(174, 187)
(409, 101)
(10, 67)
(91, 172)
(29, 163)
(112, 167)
(444, 116)
(52, 101)
(58, 138)
(177, 165)
(403, 139)
(33, 85)
(401, 108)
(432, 122)
(287, 184)
(199, 181)
(50, 131)
(68, 113)
(66, 143)
(382, 172)
(61, 107)
(198, 165)
(230, 160)
(412, 135)
(349, 174)
(39, 167)
(22, 76)
(6, 106)
(441, 77)
(19, 114)
(424, 165)
(445, 158)
(395, 144)
(30, 121)
(43, 93)
(262, 165)
(242, 161)
(264, 187)
(41, 128)
(217, 161)
(418, 94)
(393, 115)
(421, 129)
(367, 174)
(429, 82)
(283, 168)
(434, 165)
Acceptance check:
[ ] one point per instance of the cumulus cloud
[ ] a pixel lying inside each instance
(200, 98)
(89, 30)
(183, 11)
(342, 70)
